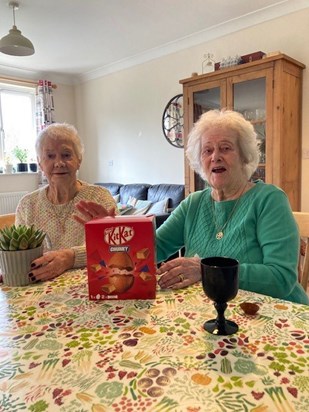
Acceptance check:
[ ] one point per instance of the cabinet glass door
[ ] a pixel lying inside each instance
(203, 101)
(249, 98)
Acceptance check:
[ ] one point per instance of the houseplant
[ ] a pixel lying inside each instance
(19, 246)
(22, 156)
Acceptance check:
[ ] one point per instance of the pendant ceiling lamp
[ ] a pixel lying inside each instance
(14, 43)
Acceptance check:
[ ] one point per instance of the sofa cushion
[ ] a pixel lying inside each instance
(137, 190)
(132, 201)
(140, 208)
(124, 209)
(158, 208)
(114, 188)
(175, 193)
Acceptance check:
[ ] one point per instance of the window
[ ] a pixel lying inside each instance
(17, 121)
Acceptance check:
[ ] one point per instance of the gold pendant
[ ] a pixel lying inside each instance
(219, 235)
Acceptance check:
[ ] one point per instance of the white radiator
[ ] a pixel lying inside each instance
(9, 201)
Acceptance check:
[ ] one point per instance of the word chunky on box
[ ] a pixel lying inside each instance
(121, 258)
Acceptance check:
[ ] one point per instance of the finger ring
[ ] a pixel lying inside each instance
(181, 277)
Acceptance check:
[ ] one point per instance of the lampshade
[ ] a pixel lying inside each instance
(14, 43)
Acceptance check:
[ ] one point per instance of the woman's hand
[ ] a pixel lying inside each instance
(92, 210)
(51, 264)
(179, 273)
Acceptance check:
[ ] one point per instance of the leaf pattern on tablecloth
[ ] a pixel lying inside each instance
(61, 351)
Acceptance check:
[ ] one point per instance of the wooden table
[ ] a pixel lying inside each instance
(61, 352)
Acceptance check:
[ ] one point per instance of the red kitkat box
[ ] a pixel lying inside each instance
(121, 258)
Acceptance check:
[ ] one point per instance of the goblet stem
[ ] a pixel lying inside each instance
(220, 325)
(220, 308)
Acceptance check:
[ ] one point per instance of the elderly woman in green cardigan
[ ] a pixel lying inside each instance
(233, 216)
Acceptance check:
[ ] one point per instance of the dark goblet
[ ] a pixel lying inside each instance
(220, 284)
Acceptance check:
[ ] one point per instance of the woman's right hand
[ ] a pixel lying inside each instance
(92, 210)
(179, 273)
(51, 264)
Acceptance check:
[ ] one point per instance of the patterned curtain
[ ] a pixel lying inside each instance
(44, 105)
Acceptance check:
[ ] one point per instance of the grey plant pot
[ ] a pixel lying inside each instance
(15, 265)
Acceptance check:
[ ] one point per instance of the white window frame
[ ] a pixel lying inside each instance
(18, 89)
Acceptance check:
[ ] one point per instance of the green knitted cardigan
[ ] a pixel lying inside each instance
(261, 233)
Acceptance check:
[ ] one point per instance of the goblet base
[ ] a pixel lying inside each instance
(228, 327)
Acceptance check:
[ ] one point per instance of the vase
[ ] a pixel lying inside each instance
(8, 168)
(15, 265)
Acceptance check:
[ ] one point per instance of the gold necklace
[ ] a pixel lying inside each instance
(220, 233)
(62, 213)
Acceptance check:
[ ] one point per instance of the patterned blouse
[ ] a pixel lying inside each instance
(62, 230)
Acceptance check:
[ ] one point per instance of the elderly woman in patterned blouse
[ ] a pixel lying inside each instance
(59, 153)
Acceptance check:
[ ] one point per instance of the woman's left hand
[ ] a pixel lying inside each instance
(179, 273)
(51, 264)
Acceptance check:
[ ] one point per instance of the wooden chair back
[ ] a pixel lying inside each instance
(7, 220)
(302, 220)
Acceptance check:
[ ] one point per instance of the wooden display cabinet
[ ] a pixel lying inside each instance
(269, 93)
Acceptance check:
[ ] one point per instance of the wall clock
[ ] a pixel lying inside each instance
(172, 121)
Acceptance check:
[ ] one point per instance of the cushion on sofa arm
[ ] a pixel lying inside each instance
(175, 193)
(137, 190)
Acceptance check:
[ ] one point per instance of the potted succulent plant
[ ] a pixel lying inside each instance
(22, 156)
(19, 246)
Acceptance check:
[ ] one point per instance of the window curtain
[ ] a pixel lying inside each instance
(44, 105)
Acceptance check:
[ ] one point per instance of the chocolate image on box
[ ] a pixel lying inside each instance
(95, 267)
(146, 276)
(121, 270)
(143, 253)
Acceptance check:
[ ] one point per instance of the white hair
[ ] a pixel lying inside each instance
(246, 139)
(61, 131)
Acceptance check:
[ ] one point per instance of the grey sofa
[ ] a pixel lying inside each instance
(175, 193)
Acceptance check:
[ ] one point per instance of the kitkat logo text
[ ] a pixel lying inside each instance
(118, 235)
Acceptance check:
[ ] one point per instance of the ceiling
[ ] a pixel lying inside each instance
(83, 39)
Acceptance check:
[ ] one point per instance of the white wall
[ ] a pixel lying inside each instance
(64, 101)
(119, 115)
(120, 119)
(19, 182)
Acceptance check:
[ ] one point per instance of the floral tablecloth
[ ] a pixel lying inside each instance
(59, 351)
